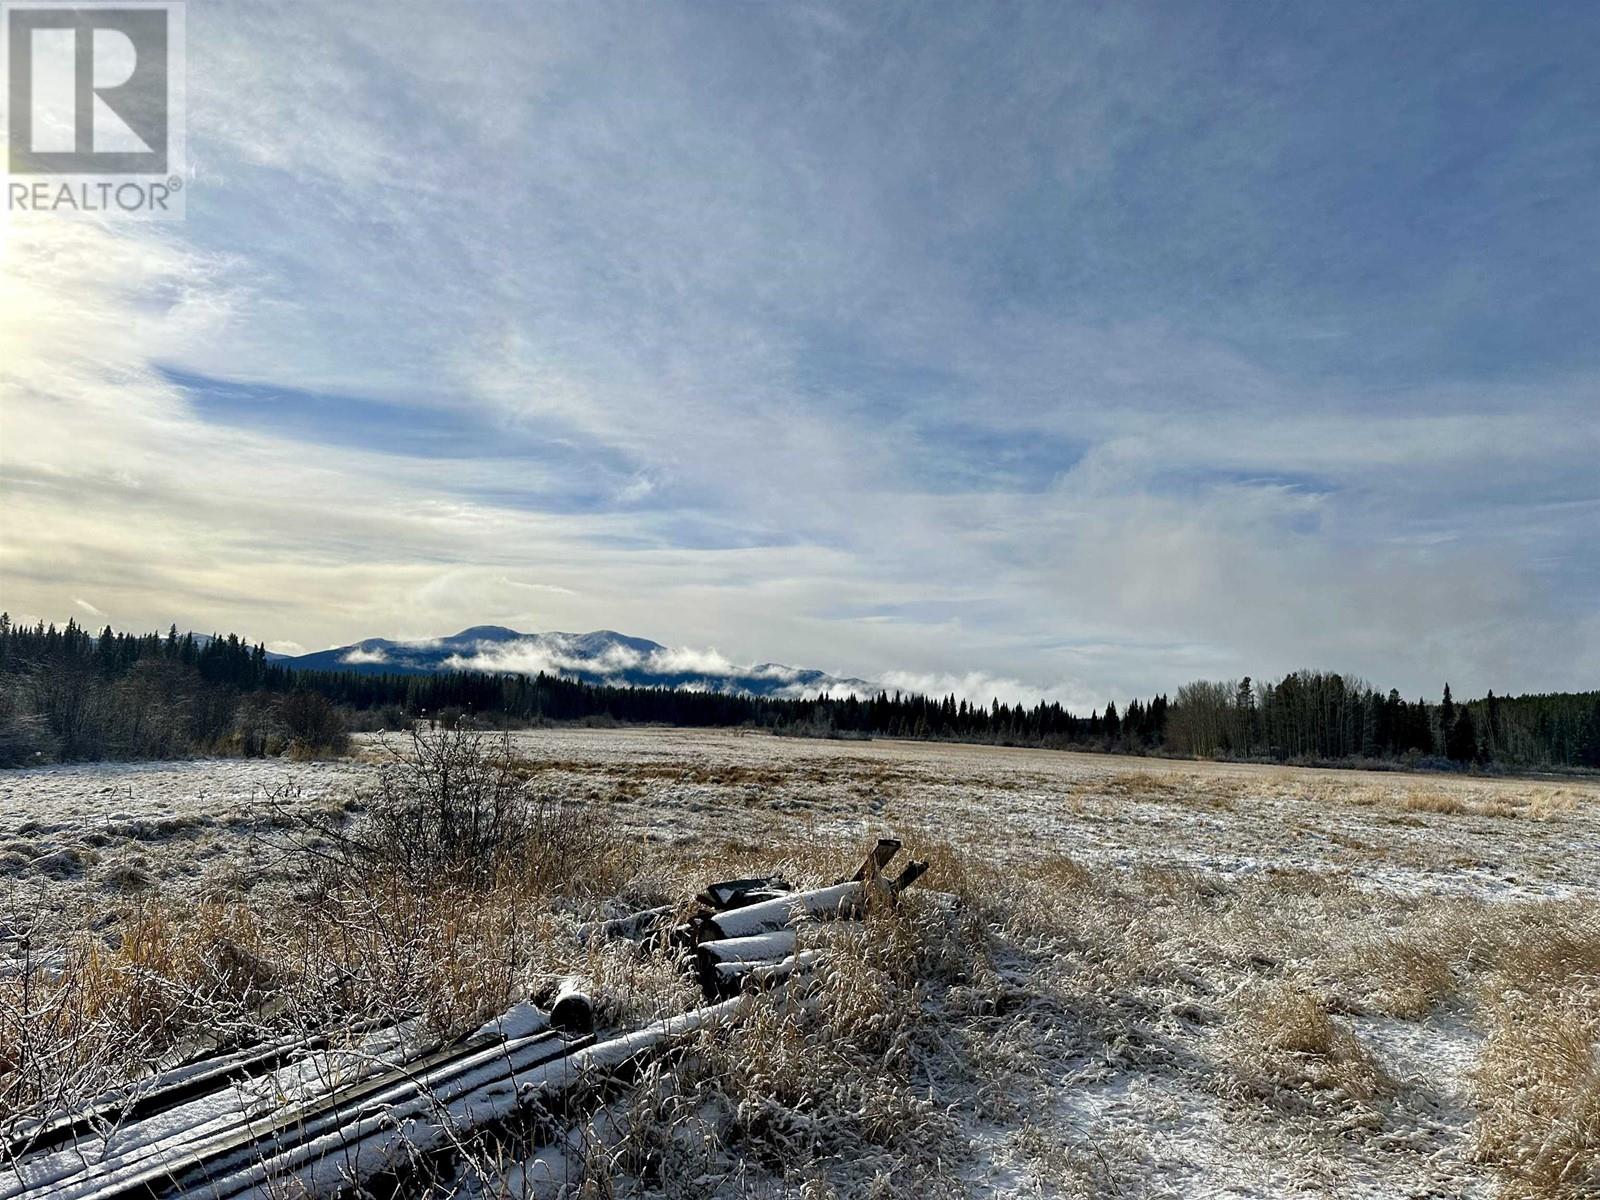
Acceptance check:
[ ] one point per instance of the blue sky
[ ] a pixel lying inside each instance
(1053, 349)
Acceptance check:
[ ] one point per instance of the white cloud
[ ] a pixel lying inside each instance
(560, 654)
(975, 687)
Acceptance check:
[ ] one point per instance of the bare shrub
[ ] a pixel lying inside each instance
(25, 737)
(313, 725)
(149, 711)
(453, 810)
(80, 1019)
(437, 899)
(255, 729)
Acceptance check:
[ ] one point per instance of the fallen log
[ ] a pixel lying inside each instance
(736, 893)
(761, 947)
(573, 1011)
(309, 1118)
(736, 976)
(227, 1131)
(632, 927)
(349, 1158)
(840, 900)
(167, 1090)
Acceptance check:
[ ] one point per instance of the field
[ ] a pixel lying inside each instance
(1164, 979)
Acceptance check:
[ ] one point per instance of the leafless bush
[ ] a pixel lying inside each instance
(255, 730)
(436, 894)
(77, 1020)
(389, 718)
(313, 725)
(453, 810)
(25, 737)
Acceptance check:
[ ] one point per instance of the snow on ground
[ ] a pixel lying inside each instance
(75, 837)
(1134, 1087)
(1233, 820)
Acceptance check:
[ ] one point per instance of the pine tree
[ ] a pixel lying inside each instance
(1244, 707)
(1494, 727)
(1588, 753)
(1461, 744)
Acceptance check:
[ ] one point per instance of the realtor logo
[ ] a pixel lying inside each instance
(94, 97)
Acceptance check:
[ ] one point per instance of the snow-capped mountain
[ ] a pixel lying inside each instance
(601, 657)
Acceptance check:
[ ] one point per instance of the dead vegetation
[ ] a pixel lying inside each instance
(1538, 1081)
(1287, 1050)
(984, 1034)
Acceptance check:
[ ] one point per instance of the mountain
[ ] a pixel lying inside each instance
(601, 657)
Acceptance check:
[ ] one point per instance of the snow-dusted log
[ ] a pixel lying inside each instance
(762, 947)
(523, 1019)
(629, 928)
(158, 1154)
(573, 1011)
(732, 976)
(736, 893)
(386, 1142)
(177, 1086)
(844, 899)
(841, 900)
(322, 1116)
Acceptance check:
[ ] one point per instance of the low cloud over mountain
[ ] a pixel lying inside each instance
(600, 657)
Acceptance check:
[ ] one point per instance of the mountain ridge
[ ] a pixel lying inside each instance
(601, 656)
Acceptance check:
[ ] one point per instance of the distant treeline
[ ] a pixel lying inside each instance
(70, 694)
(1319, 716)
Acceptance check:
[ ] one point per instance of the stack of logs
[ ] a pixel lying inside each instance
(747, 933)
(324, 1117)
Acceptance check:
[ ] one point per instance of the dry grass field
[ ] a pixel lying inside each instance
(1161, 980)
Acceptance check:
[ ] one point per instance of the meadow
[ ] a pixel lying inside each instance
(1121, 977)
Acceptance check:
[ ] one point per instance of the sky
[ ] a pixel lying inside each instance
(1039, 349)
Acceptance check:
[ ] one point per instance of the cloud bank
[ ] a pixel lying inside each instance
(618, 665)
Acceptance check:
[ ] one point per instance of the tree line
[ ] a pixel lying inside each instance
(67, 693)
(1322, 716)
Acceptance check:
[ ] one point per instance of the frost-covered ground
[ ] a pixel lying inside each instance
(1257, 982)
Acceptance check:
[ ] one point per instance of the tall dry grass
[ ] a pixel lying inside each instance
(83, 1018)
(454, 891)
(1286, 1049)
(1537, 1084)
